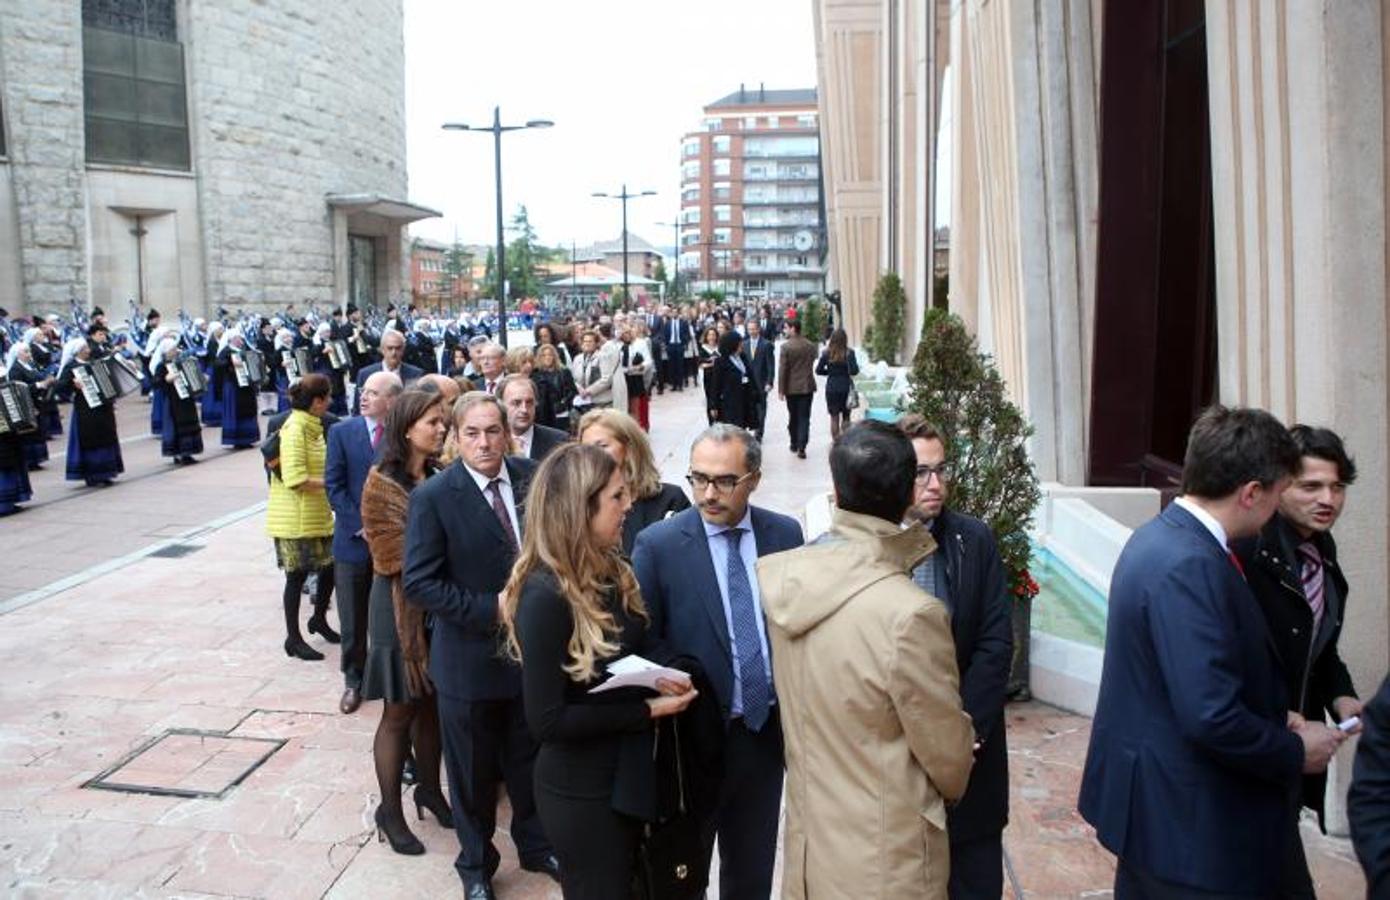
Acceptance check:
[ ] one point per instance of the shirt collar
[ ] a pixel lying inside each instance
(371, 423)
(746, 523)
(483, 481)
(1207, 519)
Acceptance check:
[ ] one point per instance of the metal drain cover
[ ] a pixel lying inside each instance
(185, 762)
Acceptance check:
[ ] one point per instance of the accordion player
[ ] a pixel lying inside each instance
(18, 414)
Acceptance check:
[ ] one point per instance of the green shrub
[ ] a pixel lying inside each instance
(884, 338)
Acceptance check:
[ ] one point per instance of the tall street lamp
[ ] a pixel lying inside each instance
(624, 196)
(676, 248)
(496, 129)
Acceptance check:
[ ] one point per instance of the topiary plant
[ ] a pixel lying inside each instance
(958, 388)
(813, 318)
(885, 340)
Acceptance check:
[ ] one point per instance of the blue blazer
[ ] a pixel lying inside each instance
(676, 572)
(457, 559)
(350, 456)
(1191, 770)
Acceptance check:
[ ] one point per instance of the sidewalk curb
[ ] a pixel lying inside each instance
(111, 565)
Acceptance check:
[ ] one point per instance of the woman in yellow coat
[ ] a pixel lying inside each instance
(299, 517)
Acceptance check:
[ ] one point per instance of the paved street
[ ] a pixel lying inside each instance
(161, 675)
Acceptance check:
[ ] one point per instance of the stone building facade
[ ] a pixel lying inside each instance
(202, 155)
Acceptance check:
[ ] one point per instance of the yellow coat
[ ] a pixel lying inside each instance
(868, 693)
(299, 513)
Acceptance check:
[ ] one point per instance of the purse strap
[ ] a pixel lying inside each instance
(680, 764)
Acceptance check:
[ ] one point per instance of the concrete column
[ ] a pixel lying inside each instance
(342, 278)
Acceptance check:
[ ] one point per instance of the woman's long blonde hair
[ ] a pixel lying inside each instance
(563, 498)
(639, 463)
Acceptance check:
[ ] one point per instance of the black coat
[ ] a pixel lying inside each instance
(763, 363)
(555, 392)
(1368, 801)
(981, 628)
(545, 440)
(735, 394)
(649, 510)
(1312, 668)
(457, 559)
(96, 426)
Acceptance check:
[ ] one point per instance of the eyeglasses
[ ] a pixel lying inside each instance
(941, 471)
(723, 484)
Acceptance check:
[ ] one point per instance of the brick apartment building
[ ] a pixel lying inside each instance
(431, 284)
(752, 219)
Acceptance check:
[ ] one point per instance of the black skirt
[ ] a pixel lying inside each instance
(383, 676)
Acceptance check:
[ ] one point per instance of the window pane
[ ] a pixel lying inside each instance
(162, 104)
(108, 51)
(155, 18)
(159, 61)
(110, 96)
(109, 141)
(166, 148)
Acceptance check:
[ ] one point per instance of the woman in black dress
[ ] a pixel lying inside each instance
(839, 367)
(181, 435)
(212, 397)
(240, 427)
(571, 607)
(555, 389)
(622, 438)
(708, 354)
(397, 667)
(735, 392)
(20, 367)
(94, 447)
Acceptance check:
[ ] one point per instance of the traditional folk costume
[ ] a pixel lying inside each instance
(212, 397)
(240, 429)
(324, 366)
(182, 435)
(94, 447)
(14, 474)
(34, 444)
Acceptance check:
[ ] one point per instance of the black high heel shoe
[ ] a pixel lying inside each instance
(301, 650)
(435, 803)
(319, 625)
(398, 834)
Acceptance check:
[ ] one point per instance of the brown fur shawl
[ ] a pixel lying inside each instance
(385, 504)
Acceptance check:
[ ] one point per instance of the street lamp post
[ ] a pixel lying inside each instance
(676, 233)
(624, 196)
(496, 129)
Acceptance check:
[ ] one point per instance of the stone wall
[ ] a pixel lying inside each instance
(290, 101)
(41, 77)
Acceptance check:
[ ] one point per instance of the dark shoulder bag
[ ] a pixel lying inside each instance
(670, 858)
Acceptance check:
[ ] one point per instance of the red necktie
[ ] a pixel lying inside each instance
(1235, 561)
(376, 435)
(499, 507)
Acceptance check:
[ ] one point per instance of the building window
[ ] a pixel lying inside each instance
(750, 123)
(721, 167)
(806, 121)
(721, 144)
(136, 111)
(690, 195)
(691, 147)
(722, 191)
(723, 235)
(690, 216)
(772, 121)
(712, 124)
(756, 260)
(148, 18)
(722, 214)
(690, 171)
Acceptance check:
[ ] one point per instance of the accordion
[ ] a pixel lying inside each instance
(255, 367)
(189, 380)
(18, 414)
(338, 355)
(124, 374)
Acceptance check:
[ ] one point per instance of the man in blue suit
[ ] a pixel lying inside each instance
(392, 360)
(1194, 754)
(696, 570)
(352, 449)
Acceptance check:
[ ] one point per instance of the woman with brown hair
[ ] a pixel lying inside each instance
(555, 389)
(572, 606)
(839, 367)
(398, 638)
(618, 435)
(298, 517)
(709, 355)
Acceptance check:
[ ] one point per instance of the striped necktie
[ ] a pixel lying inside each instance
(1312, 577)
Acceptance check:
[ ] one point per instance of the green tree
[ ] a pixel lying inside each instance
(458, 263)
(958, 388)
(522, 259)
(814, 315)
(489, 288)
(885, 340)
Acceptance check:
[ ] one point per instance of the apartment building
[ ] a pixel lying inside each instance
(752, 219)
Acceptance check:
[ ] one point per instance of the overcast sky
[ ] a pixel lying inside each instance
(623, 80)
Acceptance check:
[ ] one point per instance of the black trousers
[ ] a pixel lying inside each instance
(799, 419)
(673, 366)
(758, 414)
(1136, 884)
(353, 584)
(596, 846)
(977, 868)
(750, 803)
(486, 742)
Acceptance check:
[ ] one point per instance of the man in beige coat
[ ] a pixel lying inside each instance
(868, 692)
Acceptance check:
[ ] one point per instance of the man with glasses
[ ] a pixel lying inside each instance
(696, 570)
(965, 573)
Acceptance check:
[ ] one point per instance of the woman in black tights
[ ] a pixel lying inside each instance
(571, 607)
(397, 666)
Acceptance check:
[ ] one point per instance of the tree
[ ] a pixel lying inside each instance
(958, 389)
(885, 341)
(490, 274)
(813, 320)
(458, 266)
(522, 259)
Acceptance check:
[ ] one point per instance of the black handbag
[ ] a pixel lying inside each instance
(670, 856)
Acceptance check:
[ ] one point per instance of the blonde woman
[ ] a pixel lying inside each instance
(519, 361)
(572, 605)
(555, 389)
(619, 435)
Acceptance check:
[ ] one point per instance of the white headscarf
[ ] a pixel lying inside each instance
(31, 335)
(284, 339)
(13, 356)
(233, 334)
(323, 332)
(71, 349)
(166, 344)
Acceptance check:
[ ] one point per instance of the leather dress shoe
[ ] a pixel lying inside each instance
(479, 890)
(546, 865)
(352, 698)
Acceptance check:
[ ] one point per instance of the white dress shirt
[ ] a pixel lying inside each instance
(523, 442)
(508, 498)
(719, 553)
(1207, 519)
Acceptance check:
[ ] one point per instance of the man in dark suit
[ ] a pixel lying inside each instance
(518, 395)
(352, 449)
(392, 360)
(796, 384)
(462, 536)
(966, 575)
(762, 359)
(675, 333)
(696, 570)
(1293, 570)
(1368, 801)
(1193, 754)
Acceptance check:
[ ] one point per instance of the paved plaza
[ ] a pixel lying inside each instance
(156, 742)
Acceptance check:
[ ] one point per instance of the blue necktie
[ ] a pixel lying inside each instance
(757, 692)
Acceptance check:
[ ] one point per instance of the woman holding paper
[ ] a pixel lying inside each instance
(573, 606)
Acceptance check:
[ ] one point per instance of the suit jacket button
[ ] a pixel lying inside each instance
(1295, 631)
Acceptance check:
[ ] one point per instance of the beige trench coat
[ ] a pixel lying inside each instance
(869, 698)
